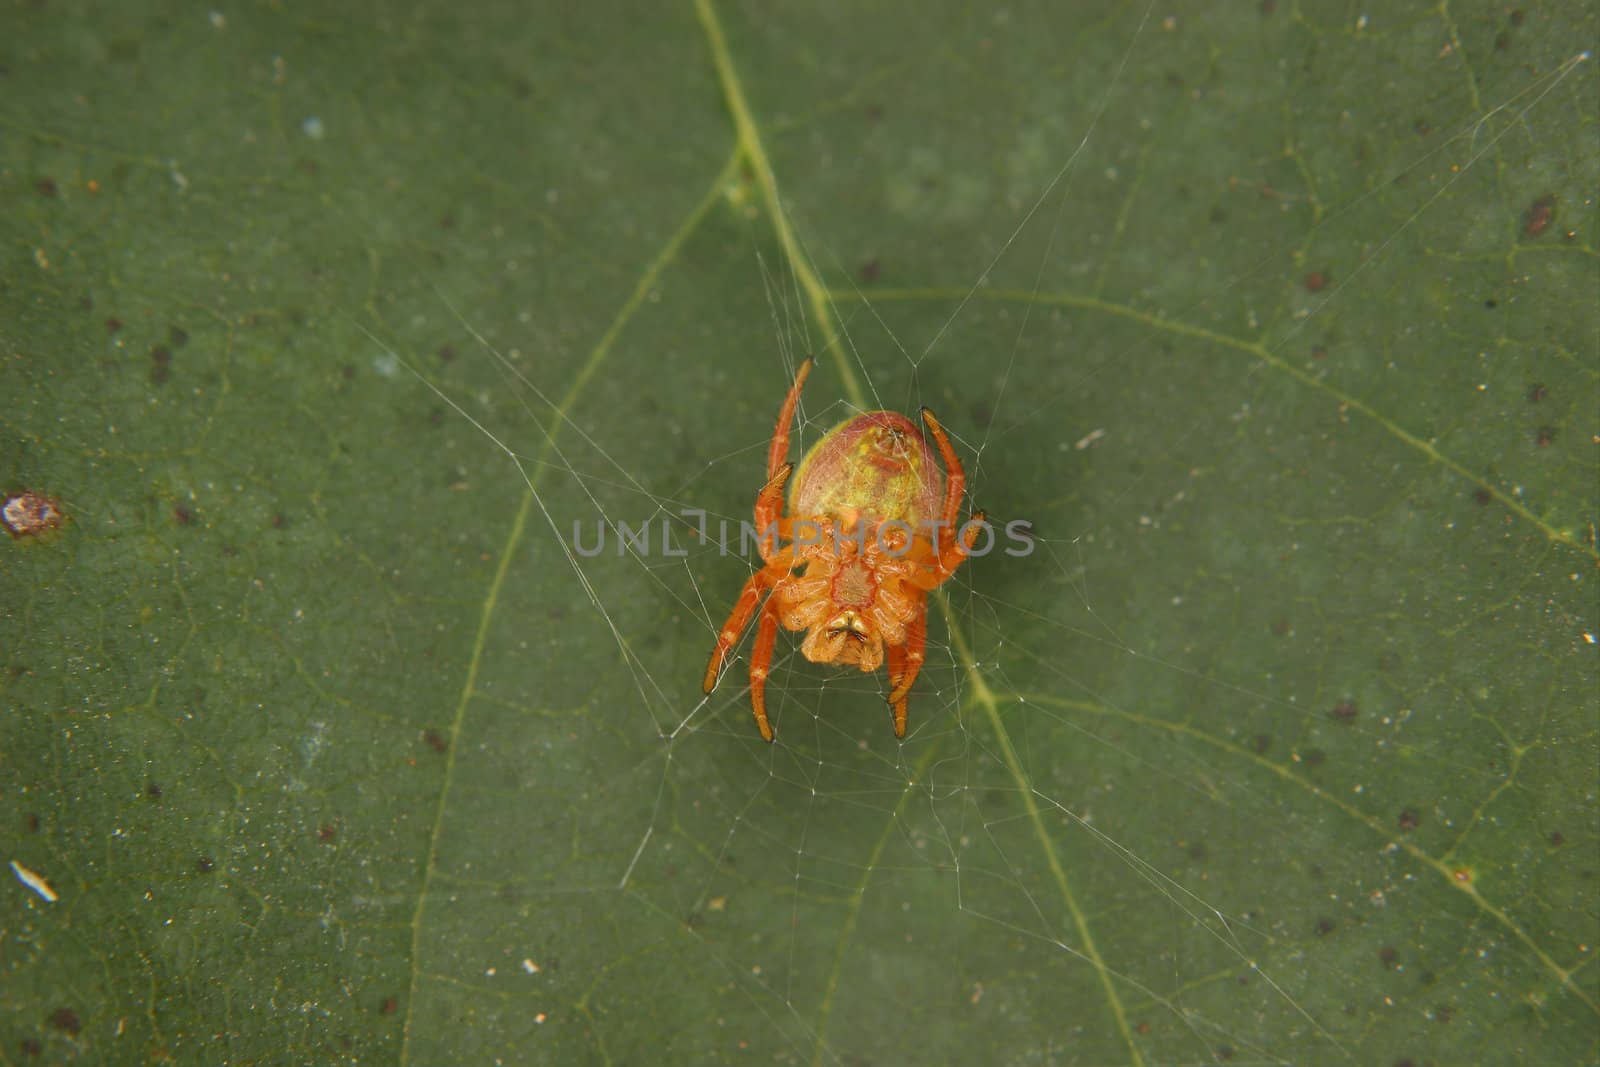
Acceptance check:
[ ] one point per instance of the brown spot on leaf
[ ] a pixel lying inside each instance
(205, 865)
(1410, 820)
(1539, 215)
(1545, 437)
(389, 1006)
(46, 187)
(1387, 956)
(182, 516)
(1343, 712)
(870, 270)
(30, 514)
(66, 1020)
(436, 741)
(1482, 497)
(326, 833)
(1537, 392)
(1316, 281)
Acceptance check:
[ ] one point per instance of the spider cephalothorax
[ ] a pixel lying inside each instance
(870, 532)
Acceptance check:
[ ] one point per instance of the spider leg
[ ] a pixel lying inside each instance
(950, 556)
(905, 661)
(955, 483)
(780, 436)
(769, 513)
(760, 661)
(739, 618)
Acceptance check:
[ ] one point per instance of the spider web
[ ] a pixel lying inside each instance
(1155, 805)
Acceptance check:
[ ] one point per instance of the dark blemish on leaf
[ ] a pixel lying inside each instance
(874, 112)
(1482, 497)
(1537, 392)
(177, 336)
(1410, 820)
(1516, 17)
(870, 270)
(1491, 304)
(446, 354)
(1546, 436)
(30, 1047)
(982, 413)
(1281, 627)
(46, 187)
(278, 521)
(389, 1006)
(1318, 352)
(1268, 6)
(1538, 216)
(436, 741)
(1423, 127)
(436, 417)
(1324, 927)
(1387, 955)
(32, 823)
(326, 833)
(30, 514)
(447, 221)
(205, 865)
(113, 325)
(1217, 215)
(160, 356)
(1314, 757)
(1142, 1028)
(160, 365)
(1197, 851)
(66, 1020)
(1502, 41)
(348, 371)
(1344, 712)
(1316, 281)
(1557, 839)
(153, 791)
(1260, 743)
(1443, 1013)
(182, 516)
(86, 303)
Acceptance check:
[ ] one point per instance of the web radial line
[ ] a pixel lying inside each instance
(847, 930)
(1265, 355)
(519, 525)
(987, 699)
(1446, 871)
(754, 154)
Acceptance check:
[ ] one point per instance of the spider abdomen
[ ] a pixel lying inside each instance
(874, 466)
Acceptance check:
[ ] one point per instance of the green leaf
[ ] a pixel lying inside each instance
(1275, 323)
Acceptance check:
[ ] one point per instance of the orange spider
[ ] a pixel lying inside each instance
(859, 562)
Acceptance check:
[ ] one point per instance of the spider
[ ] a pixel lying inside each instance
(860, 563)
